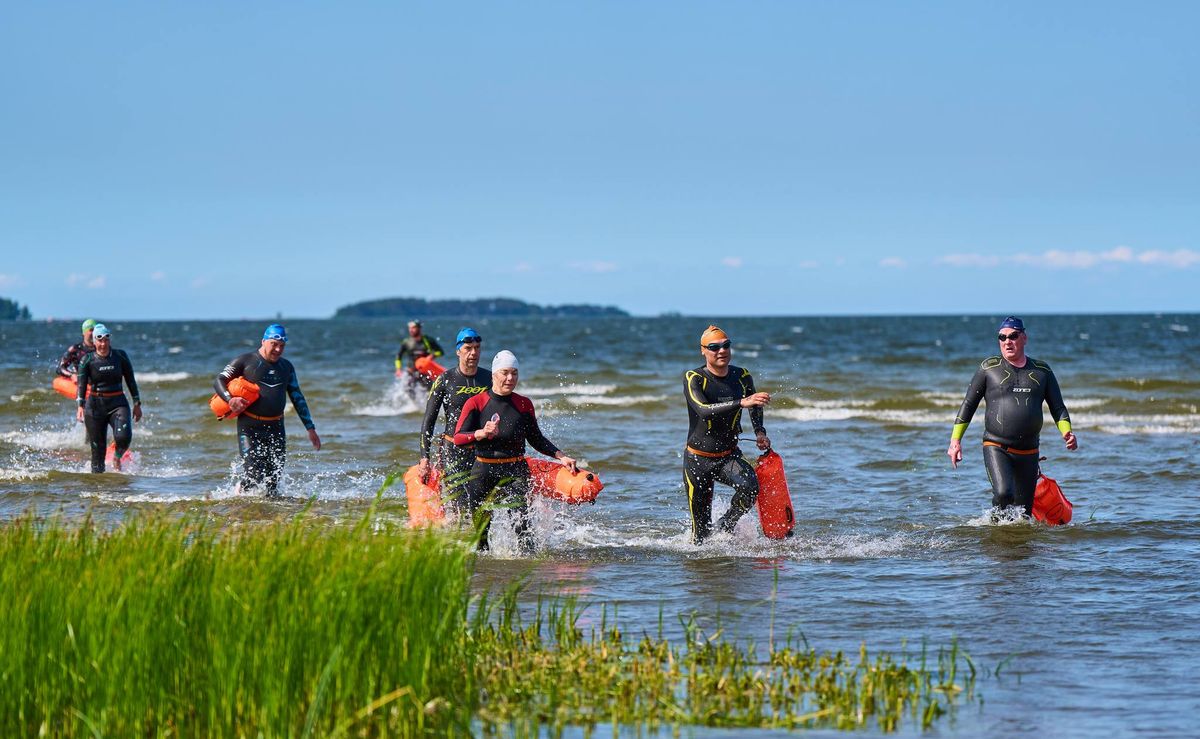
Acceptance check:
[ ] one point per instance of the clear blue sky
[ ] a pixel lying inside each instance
(170, 160)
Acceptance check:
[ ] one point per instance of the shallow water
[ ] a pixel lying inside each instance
(1094, 626)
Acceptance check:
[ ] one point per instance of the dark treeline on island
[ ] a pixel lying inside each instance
(10, 310)
(482, 307)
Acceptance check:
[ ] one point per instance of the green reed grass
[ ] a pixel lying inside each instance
(181, 628)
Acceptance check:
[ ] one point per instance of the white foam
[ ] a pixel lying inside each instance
(66, 438)
(175, 350)
(162, 376)
(619, 400)
(572, 389)
(836, 413)
(18, 475)
(397, 400)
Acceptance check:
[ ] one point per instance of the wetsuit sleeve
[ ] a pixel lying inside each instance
(70, 357)
(1054, 400)
(236, 368)
(756, 412)
(970, 403)
(693, 388)
(298, 401)
(130, 381)
(82, 380)
(435, 348)
(436, 395)
(400, 355)
(536, 438)
(468, 422)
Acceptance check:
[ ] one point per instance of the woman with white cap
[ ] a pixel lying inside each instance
(500, 448)
(106, 406)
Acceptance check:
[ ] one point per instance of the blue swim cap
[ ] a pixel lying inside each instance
(275, 332)
(99, 331)
(1013, 322)
(465, 335)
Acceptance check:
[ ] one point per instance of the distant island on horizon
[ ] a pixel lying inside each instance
(487, 307)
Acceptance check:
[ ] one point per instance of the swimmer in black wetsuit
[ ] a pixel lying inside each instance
(499, 422)
(262, 439)
(450, 391)
(418, 345)
(68, 365)
(106, 406)
(1014, 386)
(716, 394)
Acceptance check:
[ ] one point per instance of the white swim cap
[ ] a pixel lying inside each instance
(504, 360)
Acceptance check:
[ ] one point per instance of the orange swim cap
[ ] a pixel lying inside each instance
(712, 334)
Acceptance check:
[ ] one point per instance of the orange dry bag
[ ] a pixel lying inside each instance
(427, 367)
(238, 387)
(424, 498)
(553, 480)
(1050, 506)
(774, 502)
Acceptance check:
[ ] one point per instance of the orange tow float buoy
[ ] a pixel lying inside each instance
(67, 387)
(775, 511)
(555, 481)
(1050, 506)
(424, 498)
(428, 367)
(238, 387)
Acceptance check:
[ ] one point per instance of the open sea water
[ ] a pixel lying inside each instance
(1083, 630)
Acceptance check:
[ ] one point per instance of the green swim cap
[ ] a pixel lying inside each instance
(89, 324)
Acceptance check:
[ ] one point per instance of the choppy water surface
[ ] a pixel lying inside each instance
(1095, 626)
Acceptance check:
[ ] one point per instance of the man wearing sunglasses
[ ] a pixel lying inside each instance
(716, 395)
(1014, 386)
(450, 392)
(262, 439)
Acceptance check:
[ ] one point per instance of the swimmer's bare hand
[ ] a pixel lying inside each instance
(955, 453)
(137, 412)
(79, 414)
(757, 399)
(423, 469)
(1072, 442)
(568, 462)
(764, 443)
(316, 440)
(237, 404)
(489, 430)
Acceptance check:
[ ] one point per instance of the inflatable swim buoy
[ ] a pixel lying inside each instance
(428, 367)
(1050, 506)
(109, 453)
(67, 387)
(238, 387)
(424, 498)
(555, 481)
(775, 511)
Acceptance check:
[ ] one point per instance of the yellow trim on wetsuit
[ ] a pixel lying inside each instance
(1064, 427)
(957, 432)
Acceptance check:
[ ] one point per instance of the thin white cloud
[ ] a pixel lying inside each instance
(97, 283)
(76, 278)
(9, 280)
(199, 282)
(1076, 259)
(732, 262)
(893, 263)
(597, 266)
(158, 276)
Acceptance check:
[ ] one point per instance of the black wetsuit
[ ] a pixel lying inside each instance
(500, 462)
(68, 365)
(450, 392)
(712, 453)
(1012, 424)
(262, 439)
(106, 406)
(424, 346)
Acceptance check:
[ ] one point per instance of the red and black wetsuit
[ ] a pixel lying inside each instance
(68, 365)
(500, 461)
